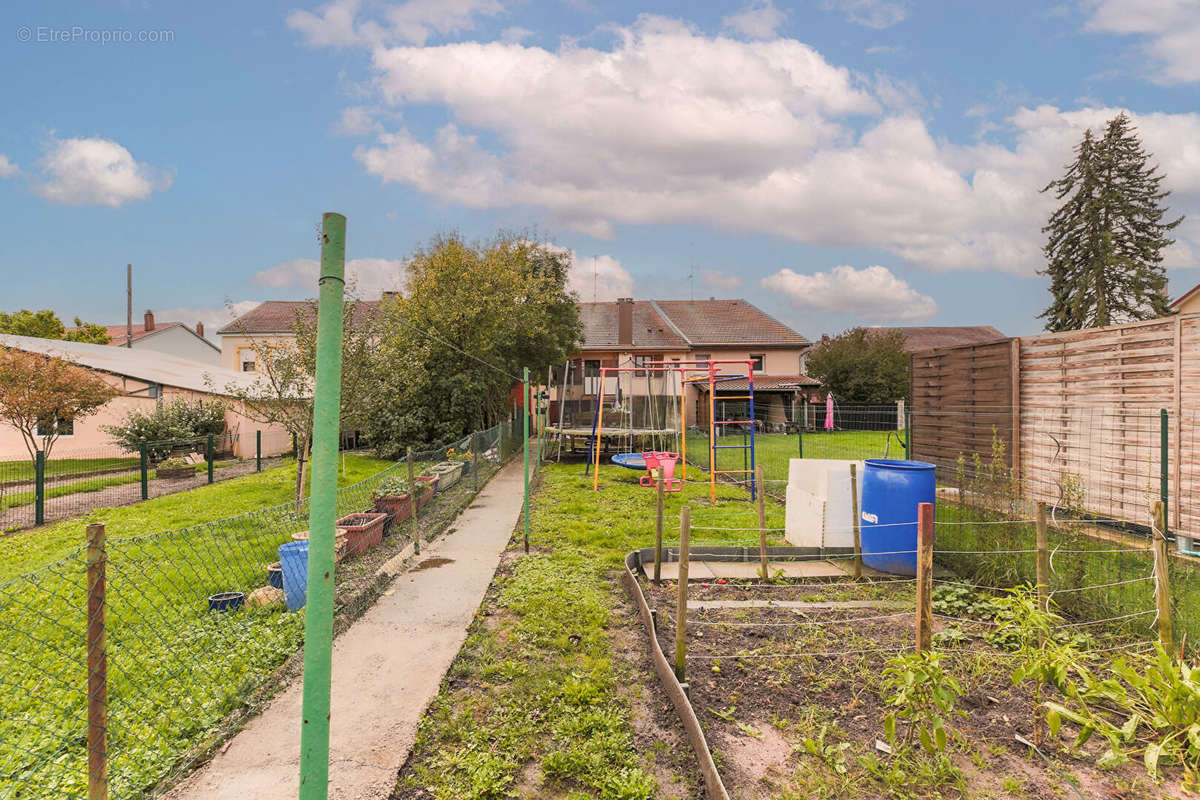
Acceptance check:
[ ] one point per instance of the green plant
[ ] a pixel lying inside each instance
(174, 420)
(391, 486)
(923, 695)
(1148, 705)
(834, 755)
(174, 463)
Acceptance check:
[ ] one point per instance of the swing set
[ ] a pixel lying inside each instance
(661, 462)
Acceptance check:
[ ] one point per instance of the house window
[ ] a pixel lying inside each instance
(247, 358)
(591, 368)
(701, 356)
(641, 361)
(756, 359)
(61, 426)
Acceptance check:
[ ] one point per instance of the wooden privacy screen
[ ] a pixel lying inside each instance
(1077, 412)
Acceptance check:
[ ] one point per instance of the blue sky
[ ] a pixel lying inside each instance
(836, 162)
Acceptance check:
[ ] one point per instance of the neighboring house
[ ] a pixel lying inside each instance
(628, 333)
(144, 378)
(272, 322)
(173, 338)
(932, 336)
(1188, 302)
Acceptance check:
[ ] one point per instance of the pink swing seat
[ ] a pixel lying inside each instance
(661, 463)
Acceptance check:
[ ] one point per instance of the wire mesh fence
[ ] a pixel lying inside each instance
(181, 660)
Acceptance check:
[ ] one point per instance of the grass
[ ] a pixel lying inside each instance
(22, 469)
(775, 450)
(27, 550)
(539, 703)
(96, 483)
(176, 671)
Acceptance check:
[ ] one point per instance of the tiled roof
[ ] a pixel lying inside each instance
(680, 324)
(929, 337)
(117, 333)
(650, 330)
(275, 316)
(763, 383)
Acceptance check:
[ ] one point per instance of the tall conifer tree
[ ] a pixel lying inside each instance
(1104, 250)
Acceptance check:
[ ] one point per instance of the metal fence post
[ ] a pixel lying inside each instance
(908, 434)
(39, 487)
(144, 457)
(258, 451)
(1162, 578)
(525, 417)
(97, 666)
(209, 457)
(475, 459)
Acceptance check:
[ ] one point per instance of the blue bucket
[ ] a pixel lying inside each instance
(891, 491)
(293, 557)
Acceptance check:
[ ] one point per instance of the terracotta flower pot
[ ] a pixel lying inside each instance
(399, 505)
(363, 531)
(431, 482)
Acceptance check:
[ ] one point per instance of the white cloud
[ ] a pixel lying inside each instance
(873, 294)
(213, 318)
(366, 278)
(759, 19)
(1170, 30)
(515, 33)
(876, 14)
(95, 172)
(357, 121)
(7, 168)
(598, 278)
(719, 280)
(338, 24)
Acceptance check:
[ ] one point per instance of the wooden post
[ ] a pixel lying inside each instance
(97, 667)
(762, 520)
(1043, 559)
(658, 533)
(685, 529)
(924, 576)
(412, 503)
(858, 565)
(1162, 577)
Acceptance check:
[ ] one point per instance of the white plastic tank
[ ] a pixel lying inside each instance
(819, 510)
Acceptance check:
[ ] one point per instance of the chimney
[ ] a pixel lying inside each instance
(625, 320)
(149, 321)
(200, 329)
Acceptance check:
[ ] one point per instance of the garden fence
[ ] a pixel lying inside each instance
(178, 674)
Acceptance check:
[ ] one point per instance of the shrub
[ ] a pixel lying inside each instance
(170, 421)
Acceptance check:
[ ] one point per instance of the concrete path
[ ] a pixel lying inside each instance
(386, 669)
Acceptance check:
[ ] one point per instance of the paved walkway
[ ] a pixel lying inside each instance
(386, 669)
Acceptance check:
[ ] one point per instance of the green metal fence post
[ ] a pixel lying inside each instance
(258, 451)
(800, 440)
(908, 437)
(475, 439)
(208, 456)
(144, 457)
(525, 416)
(318, 617)
(39, 488)
(1163, 459)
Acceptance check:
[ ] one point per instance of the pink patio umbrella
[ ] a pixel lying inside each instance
(829, 411)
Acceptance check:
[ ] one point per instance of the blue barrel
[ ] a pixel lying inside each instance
(891, 490)
(293, 557)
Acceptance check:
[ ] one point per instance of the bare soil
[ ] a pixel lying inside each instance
(779, 676)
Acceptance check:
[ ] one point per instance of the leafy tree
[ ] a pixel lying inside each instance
(862, 365)
(45, 324)
(453, 345)
(1104, 251)
(168, 422)
(39, 393)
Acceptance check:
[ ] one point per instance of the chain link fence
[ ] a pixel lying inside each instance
(181, 672)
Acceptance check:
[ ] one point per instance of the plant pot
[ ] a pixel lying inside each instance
(363, 531)
(431, 482)
(275, 575)
(398, 505)
(226, 601)
(339, 542)
(448, 474)
(174, 473)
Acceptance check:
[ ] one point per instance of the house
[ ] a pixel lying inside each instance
(629, 333)
(173, 338)
(144, 378)
(273, 322)
(1188, 302)
(929, 337)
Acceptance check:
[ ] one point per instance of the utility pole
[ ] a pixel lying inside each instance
(129, 305)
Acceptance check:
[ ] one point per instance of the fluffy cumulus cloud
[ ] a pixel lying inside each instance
(669, 125)
(877, 14)
(95, 172)
(758, 20)
(873, 293)
(715, 279)
(337, 24)
(366, 278)
(598, 278)
(1168, 29)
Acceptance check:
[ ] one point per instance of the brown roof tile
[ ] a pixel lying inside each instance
(275, 316)
(678, 324)
(650, 330)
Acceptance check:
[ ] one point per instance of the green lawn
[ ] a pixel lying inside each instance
(22, 469)
(176, 671)
(27, 550)
(539, 703)
(774, 450)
